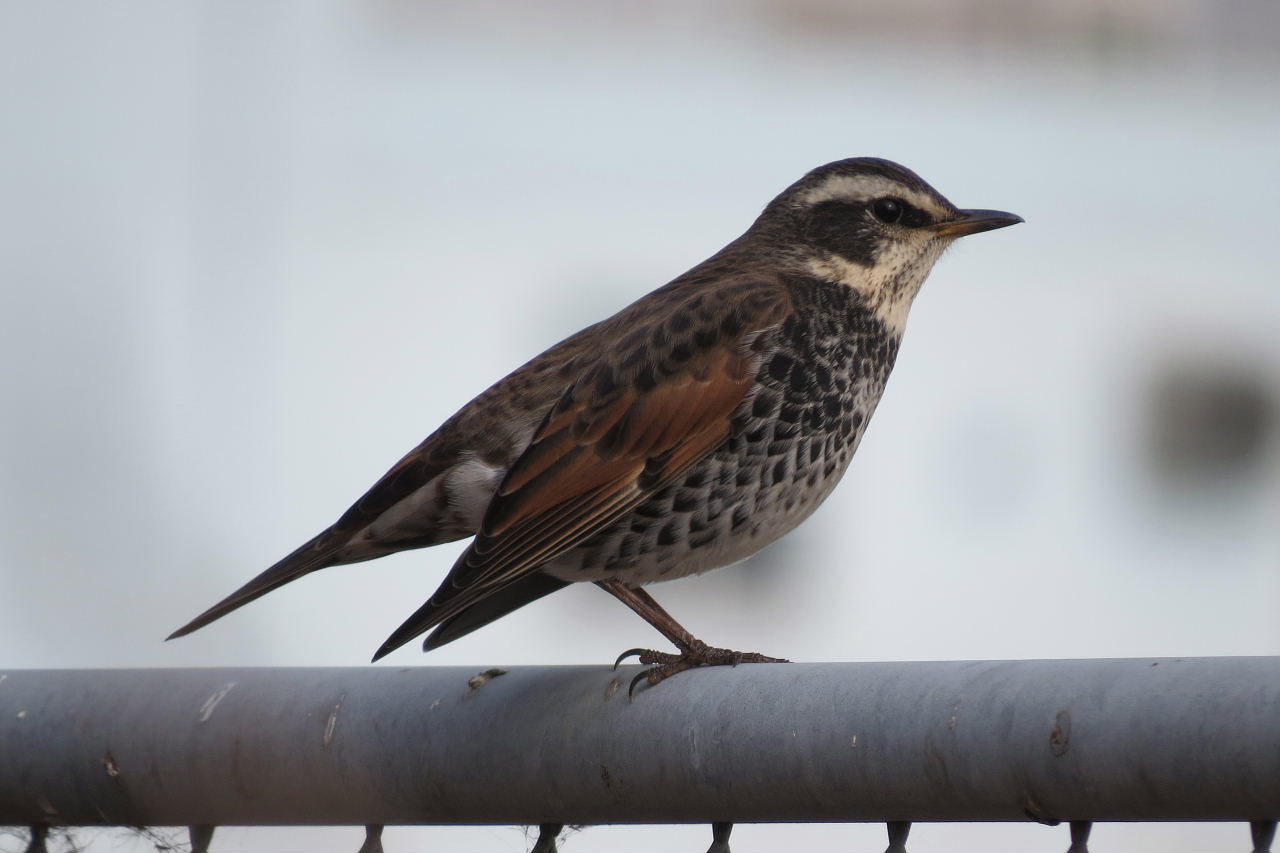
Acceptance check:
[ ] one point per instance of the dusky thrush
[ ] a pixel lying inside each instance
(684, 433)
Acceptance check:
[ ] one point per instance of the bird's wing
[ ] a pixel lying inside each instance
(438, 491)
(641, 413)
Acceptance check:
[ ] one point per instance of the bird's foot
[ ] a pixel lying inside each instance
(663, 665)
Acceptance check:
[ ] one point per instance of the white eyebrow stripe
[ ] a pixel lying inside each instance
(866, 187)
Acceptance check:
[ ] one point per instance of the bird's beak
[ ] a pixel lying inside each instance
(975, 222)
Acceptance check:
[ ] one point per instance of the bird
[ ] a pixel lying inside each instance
(683, 434)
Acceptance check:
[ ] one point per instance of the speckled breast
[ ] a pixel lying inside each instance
(821, 374)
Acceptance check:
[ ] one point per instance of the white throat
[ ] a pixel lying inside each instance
(890, 286)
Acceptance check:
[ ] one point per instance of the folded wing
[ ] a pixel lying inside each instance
(630, 426)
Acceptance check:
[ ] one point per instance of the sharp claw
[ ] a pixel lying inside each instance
(627, 654)
(635, 682)
(663, 665)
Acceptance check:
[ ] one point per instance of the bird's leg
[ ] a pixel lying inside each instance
(693, 652)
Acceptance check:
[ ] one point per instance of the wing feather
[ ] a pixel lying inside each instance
(607, 445)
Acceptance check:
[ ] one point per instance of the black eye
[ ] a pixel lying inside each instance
(888, 210)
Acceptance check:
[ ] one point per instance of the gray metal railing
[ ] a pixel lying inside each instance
(1067, 740)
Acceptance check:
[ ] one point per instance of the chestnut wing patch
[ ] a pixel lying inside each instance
(614, 438)
(592, 462)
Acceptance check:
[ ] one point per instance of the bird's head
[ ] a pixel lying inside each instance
(871, 225)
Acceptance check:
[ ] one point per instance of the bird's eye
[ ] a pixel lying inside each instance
(887, 210)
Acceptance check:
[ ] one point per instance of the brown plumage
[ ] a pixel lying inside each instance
(685, 432)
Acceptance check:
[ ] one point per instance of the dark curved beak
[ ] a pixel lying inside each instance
(975, 222)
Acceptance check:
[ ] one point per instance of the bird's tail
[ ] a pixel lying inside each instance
(315, 554)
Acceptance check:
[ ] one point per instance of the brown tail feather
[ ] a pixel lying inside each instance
(314, 555)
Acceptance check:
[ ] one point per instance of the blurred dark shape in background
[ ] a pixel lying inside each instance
(1210, 422)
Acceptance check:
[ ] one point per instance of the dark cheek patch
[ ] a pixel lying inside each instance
(843, 228)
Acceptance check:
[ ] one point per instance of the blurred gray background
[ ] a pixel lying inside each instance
(252, 253)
